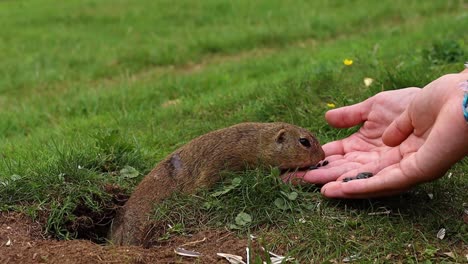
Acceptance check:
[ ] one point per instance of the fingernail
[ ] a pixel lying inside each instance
(324, 190)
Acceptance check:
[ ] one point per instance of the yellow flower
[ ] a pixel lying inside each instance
(347, 62)
(331, 105)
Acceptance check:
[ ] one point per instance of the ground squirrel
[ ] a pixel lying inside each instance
(198, 164)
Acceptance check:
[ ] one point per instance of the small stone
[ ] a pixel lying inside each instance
(347, 179)
(313, 167)
(325, 163)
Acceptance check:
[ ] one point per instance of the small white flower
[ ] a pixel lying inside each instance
(368, 81)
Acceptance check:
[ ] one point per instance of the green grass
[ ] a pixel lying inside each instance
(86, 90)
(85, 40)
(301, 223)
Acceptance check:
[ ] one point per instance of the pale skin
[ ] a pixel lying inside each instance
(408, 137)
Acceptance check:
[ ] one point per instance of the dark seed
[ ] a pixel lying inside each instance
(347, 179)
(361, 176)
(318, 165)
(325, 163)
(364, 175)
(313, 167)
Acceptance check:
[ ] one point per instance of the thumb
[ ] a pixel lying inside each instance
(398, 130)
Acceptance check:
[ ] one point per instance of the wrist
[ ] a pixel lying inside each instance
(464, 88)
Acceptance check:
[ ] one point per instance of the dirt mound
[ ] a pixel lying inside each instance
(21, 241)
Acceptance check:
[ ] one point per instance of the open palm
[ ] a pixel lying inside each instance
(408, 136)
(364, 150)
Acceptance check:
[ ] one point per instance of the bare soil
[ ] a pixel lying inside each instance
(22, 241)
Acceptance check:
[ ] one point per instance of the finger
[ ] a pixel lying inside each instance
(333, 161)
(363, 157)
(325, 175)
(374, 162)
(333, 148)
(389, 181)
(350, 165)
(349, 116)
(295, 177)
(373, 167)
(398, 130)
(361, 196)
(334, 158)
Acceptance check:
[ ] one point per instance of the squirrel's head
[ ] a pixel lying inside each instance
(292, 147)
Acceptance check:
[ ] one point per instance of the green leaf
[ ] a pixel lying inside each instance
(235, 182)
(15, 177)
(281, 204)
(275, 172)
(292, 196)
(207, 205)
(129, 172)
(243, 219)
(430, 251)
(219, 193)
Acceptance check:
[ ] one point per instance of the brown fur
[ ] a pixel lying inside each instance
(199, 163)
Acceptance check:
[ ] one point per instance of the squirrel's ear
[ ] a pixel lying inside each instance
(280, 136)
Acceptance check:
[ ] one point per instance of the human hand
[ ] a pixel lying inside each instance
(426, 138)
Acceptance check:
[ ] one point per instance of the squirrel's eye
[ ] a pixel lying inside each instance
(304, 142)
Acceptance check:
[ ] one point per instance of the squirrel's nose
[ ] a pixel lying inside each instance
(319, 154)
